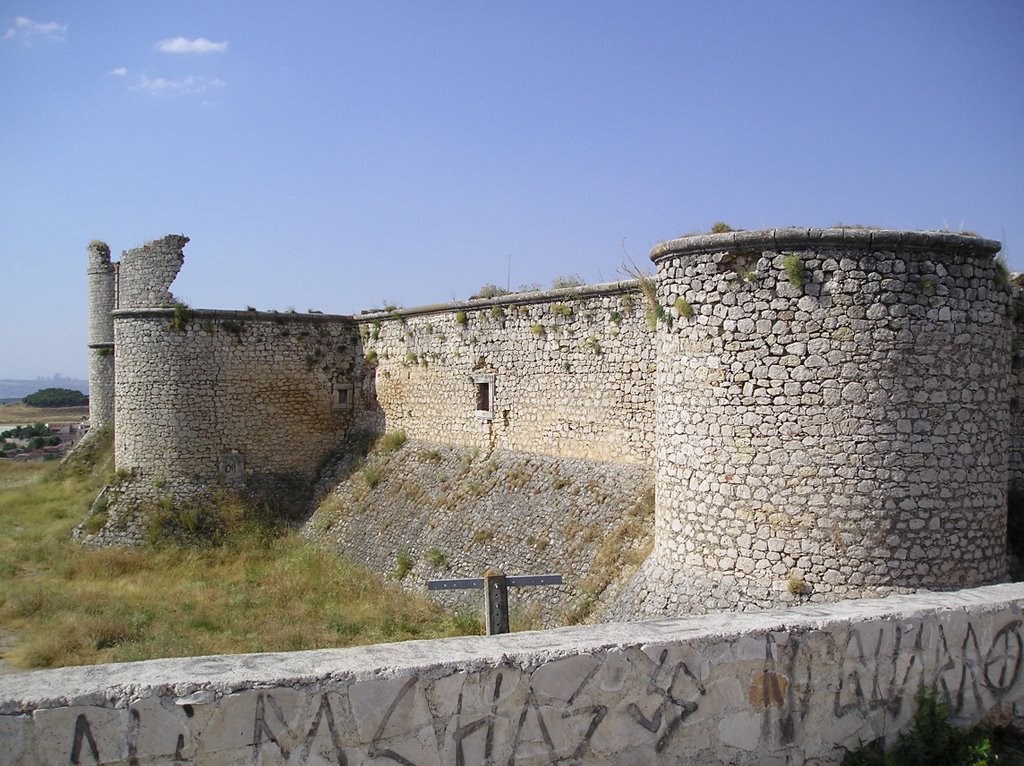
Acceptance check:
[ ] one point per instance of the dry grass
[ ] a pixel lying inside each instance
(22, 413)
(67, 604)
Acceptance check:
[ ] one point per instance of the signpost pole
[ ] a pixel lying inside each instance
(495, 602)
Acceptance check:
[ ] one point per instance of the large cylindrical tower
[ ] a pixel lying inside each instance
(102, 300)
(832, 415)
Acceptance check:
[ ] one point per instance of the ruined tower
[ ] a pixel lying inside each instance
(102, 275)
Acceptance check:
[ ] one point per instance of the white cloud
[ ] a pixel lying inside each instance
(184, 45)
(118, 71)
(190, 84)
(26, 30)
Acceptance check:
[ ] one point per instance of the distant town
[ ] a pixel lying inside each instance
(43, 418)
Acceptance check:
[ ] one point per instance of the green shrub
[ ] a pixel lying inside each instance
(931, 741)
(392, 441)
(181, 317)
(403, 564)
(561, 309)
(370, 360)
(461, 318)
(372, 474)
(490, 291)
(793, 265)
(437, 559)
(683, 308)
(566, 281)
(537, 329)
(1002, 276)
(720, 227)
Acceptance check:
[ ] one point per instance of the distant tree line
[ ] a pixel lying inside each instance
(56, 397)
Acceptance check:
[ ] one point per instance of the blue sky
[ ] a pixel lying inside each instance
(338, 156)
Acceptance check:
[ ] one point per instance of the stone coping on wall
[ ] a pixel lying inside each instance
(796, 238)
(115, 685)
(527, 298)
(266, 316)
(472, 304)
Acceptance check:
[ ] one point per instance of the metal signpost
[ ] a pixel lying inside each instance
(495, 585)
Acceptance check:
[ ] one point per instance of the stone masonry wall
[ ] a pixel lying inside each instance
(570, 373)
(429, 510)
(772, 688)
(102, 298)
(832, 419)
(236, 398)
(1016, 447)
(145, 273)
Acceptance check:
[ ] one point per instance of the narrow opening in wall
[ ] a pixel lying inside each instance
(484, 396)
(343, 395)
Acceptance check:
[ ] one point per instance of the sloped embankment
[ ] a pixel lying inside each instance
(426, 511)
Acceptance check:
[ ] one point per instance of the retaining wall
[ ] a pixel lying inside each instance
(794, 686)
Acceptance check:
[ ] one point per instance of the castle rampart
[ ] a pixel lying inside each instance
(832, 415)
(565, 373)
(245, 399)
(827, 411)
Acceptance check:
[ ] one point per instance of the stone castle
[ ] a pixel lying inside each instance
(824, 413)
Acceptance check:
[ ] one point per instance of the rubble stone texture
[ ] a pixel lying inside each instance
(102, 275)
(833, 419)
(827, 411)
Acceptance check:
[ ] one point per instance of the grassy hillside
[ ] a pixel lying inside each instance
(18, 413)
(261, 591)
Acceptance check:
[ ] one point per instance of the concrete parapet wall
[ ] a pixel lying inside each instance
(795, 686)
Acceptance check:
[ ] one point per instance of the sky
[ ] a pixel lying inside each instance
(340, 156)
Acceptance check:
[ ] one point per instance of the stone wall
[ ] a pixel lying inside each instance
(798, 686)
(1016, 447)
(145, 273)
(102, 276)
(832, 416)
(827, 411)
(428, 510)
(570, 373)
(242, 399)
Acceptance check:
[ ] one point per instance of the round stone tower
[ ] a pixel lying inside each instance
(832, 415)
(102, 276)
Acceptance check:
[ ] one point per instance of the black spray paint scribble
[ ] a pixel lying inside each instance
(878, 666)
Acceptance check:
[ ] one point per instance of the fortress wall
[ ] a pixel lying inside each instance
(145, 273)
(1016, 449)
(220, 396)
(794, 686)
(571, 373)
(841, 437)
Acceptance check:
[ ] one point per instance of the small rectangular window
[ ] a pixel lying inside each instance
(343, 395)
(484, 396)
